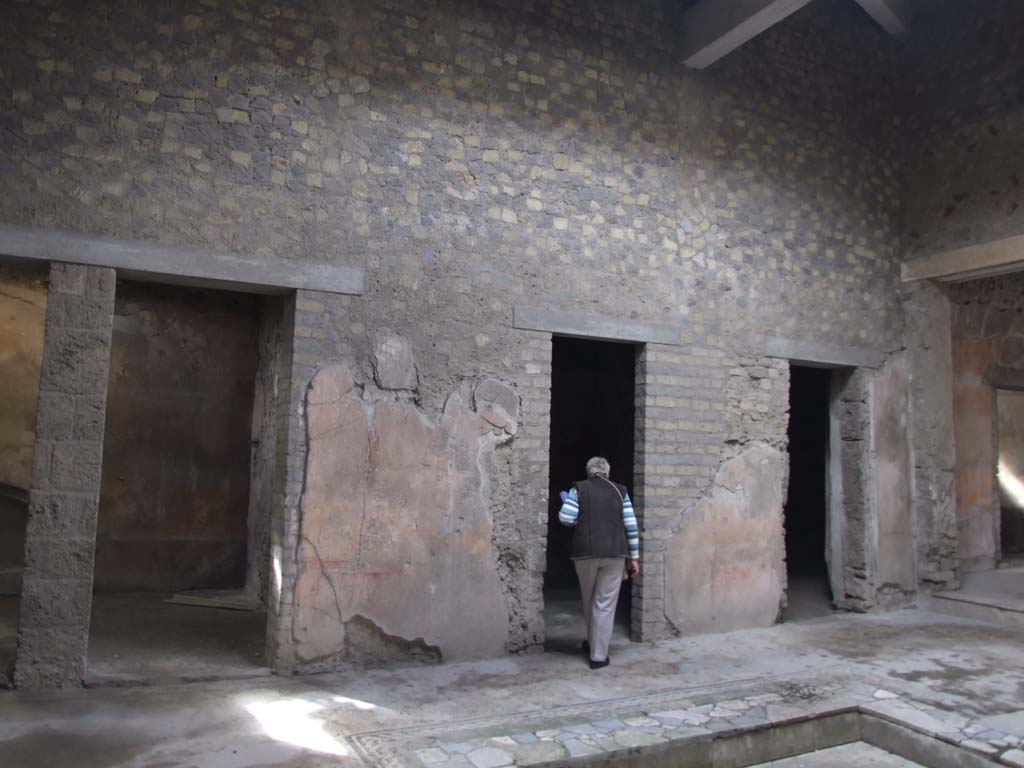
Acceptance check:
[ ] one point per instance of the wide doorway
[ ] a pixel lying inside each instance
(592, 414)
(807, 501)
(182, 527)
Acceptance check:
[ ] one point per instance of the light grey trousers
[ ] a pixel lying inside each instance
(600, 579)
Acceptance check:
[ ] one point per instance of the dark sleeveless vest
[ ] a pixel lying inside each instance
(599, 530)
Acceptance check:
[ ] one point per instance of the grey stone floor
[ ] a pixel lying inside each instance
(807, 597)
(957, 679)
(1004, 587)
(140, 638)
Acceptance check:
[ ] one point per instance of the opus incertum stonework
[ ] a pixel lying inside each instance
(310, 309)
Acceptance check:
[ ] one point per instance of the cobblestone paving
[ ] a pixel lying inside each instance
(953, 680)
(630, 724)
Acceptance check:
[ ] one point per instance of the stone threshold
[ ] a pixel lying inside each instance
(1002, 602)
(115, 680)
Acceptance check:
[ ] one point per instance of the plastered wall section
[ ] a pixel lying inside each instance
(510, 480)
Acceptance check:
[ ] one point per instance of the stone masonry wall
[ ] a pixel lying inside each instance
(56, 597)
(523, 149)
(787, 149)
(962, 124)
(713, 445)
(475, 156)
(965, 125)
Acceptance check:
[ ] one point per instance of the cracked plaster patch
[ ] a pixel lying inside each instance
(395, 530)
(725, 566)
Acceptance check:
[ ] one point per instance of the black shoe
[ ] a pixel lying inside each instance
(599, 664)
(586, 647)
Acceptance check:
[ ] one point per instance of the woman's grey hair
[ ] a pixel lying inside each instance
(598, 466)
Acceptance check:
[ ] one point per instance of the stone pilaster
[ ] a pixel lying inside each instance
(56, 595)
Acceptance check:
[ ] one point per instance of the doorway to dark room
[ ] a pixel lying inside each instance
(807, 501)
(180, 460)
(592, 414)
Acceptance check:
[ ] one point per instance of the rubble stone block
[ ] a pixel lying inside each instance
(76, 466)
(90, 413)
(56, 602)
(76, 361)
(57, 515)
(55, 416)
(68, 558)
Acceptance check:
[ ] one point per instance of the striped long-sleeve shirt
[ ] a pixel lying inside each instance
(570, 512)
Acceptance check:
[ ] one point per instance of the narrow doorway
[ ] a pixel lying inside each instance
(172, 544)
(1010, 473)
(592, 414)
(807, 503)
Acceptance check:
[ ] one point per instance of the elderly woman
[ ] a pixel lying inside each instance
(605, 538)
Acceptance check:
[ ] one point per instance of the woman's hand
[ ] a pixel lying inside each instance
(634, 567)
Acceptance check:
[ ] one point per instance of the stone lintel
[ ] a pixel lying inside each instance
(715, 28)
(892, 15)
(997, 257)
(823, 355)
(1005, 377)
(589, 326)
(173, 264)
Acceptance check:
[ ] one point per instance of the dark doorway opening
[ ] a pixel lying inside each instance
(592, 414)
(174, 543)
(807, 501)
